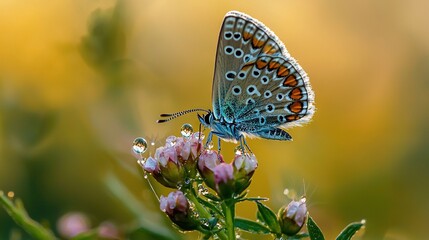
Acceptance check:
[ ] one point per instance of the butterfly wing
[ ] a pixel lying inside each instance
(257, 85)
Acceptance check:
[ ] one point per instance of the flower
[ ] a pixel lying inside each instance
(244, 167)
(175, 162)
(292, 217)
(177, 208)
(73, 224)
(227, 179)
(207, 162)
(224, 180)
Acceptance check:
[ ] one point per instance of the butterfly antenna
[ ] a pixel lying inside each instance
(171, 116)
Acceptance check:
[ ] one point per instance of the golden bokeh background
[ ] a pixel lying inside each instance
(79, 80)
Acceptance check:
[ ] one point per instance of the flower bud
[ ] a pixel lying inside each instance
(207, 162)
(244, 167)
(292, 217)
(224, 180)
(176, 206)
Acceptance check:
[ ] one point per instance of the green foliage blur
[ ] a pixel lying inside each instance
(79, 80)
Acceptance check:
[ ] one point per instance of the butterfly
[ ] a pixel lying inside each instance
(258, 88)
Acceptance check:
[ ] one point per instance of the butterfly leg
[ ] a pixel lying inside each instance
(218, 145)
(209, 139)
(244, 143)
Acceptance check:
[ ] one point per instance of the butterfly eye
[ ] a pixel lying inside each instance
(207, 119)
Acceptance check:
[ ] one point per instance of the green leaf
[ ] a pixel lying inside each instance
(269, 218)
(253, 199)
(86, 235)
(250, 226)
(210, 206)
(18, 213)
(350, 230)
(212, 197)
(314, 230)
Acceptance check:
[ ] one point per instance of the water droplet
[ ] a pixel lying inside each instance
(171, 141)
(286, 191)
(141, 161)
(209, 145)
(187, 181)
(238, 150)
(145, 176)
(186, 130)
(10, 194)
(199, 135)
(139, 145)
(202, 190)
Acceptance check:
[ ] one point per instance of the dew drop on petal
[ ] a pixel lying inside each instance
(186, 130)
(238, 150)
(139, 145)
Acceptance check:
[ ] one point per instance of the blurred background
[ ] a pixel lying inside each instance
(79, 80)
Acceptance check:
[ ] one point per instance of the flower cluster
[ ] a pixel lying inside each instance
(175, 163)
(207, 188)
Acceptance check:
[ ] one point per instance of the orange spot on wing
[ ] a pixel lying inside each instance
(290, 81)
(295, 94)
(291, 118)
(261, 63)
(282, 71)
(246, 35)
(269, 49)
(296, 107)
(273, 64)
(257, 43)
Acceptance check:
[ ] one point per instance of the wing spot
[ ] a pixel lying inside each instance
(247, 58)
(229, 50)
(237, 36)
(290, 81)
(279, 97)
(236, 90)
(228, 35)
(264, 80)
(250, 101)
(238, 53)
(270, 108)
(281, 118)
(256, 73)
(267, 94)
(262, 120)
(230, 75)
(242, 75)
(296, 94)
(295, 107)
(251, 89)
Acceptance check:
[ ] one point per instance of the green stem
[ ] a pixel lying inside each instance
(191, 195)
(228, 207)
